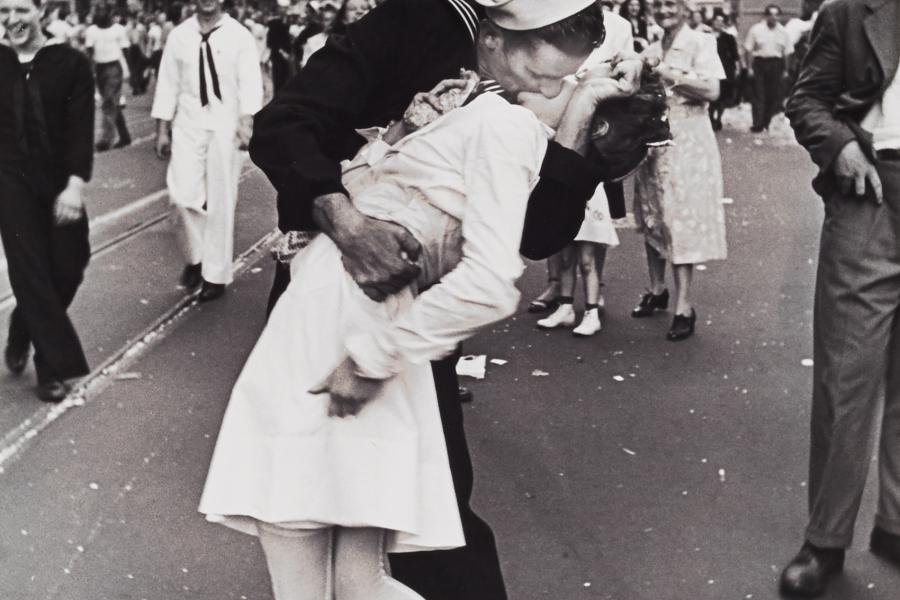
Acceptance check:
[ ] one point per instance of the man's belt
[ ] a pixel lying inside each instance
(888, 154)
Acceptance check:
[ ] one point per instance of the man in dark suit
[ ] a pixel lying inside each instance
(845, 109)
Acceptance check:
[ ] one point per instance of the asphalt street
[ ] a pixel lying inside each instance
(617, 467)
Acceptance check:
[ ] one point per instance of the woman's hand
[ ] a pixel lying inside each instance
(669, 75)
(444, 97)
(69, 204)
(627, 69)
(596, 89)
(349, 390)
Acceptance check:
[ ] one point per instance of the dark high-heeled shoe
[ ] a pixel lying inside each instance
(650, 303)
(682, 327)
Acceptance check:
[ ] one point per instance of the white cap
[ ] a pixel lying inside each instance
(524, 15)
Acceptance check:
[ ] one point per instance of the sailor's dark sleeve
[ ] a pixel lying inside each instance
(556, 206)
(297, 137)
(78, 125)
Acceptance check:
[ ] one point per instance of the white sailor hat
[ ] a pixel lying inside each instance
(523, 15)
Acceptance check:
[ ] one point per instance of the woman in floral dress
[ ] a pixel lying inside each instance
(678, 190)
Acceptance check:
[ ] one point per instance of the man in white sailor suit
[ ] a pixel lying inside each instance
(208, 89)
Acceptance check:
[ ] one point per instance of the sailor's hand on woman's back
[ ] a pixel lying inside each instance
(379, 256)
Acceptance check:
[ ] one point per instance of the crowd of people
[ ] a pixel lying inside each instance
(418, 154)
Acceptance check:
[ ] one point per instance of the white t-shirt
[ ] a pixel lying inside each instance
(154, 38)
(107, 43)
(61, 30)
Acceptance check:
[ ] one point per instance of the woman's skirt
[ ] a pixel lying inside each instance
(597, 226)
(678, 192)
(280, 459)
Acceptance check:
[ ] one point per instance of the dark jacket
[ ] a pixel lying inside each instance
(728, 53)
(368, 77)
(852, 58)
(47, 118)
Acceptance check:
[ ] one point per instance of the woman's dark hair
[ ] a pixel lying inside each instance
(580, 32)
(636, 124)
(625, 11)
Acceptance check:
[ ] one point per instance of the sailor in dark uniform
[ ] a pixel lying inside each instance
(46, 156)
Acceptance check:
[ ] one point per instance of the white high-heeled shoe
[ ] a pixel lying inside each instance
(564, 316)
(590, 324)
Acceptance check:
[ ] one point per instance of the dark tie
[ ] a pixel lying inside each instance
(204, 97)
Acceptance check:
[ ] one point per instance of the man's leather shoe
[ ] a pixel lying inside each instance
(465, 395)
(807, 575)
(885, 545)
(52, 391)
(191, 277)
(211, 291)
(16, 359)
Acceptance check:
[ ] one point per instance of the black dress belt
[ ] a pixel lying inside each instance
(888, 154)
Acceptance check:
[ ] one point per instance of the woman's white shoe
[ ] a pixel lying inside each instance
(564, 316)
(590, 324)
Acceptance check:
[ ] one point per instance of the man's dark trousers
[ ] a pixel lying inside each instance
(46, 264)
(468, 573)
(767, 82)
(857, 362)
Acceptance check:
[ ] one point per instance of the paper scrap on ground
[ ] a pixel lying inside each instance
(807, 362)
(727, 200)
(498, 361)
(539, 373)
(471, 366)
(128, 375)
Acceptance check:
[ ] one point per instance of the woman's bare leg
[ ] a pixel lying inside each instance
(552, 291)
(591, 259)
(684, 275)
(359, 572)
(567, 265)
(299, 562)
(656, 266)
